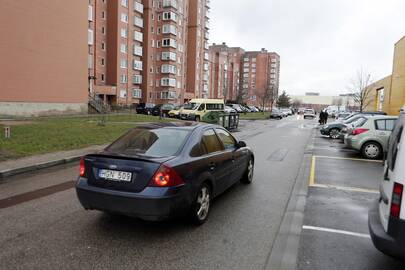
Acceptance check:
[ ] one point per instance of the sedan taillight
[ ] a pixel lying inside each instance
(82, 168)
(359, 131)
(166, 176)
(396, 200)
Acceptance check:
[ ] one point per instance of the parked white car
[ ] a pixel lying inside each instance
(309, 114)
(387, 216)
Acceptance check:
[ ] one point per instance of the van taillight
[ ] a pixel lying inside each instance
(82, 168)
(359, 131)
(166, 177)
(396, 200)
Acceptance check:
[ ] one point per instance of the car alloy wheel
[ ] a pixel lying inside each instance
(248, 176)
(201, 207)
(371, 150)
(334, 133)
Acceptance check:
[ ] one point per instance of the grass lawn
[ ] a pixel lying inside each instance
(47, 135)
(255, 116)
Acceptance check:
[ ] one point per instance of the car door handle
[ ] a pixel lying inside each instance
(212, 166)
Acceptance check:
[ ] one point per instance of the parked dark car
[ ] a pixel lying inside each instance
(166, 108)
(145, 108)
(164, 170)
(334, 129)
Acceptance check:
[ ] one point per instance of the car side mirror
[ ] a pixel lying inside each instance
(240, 144)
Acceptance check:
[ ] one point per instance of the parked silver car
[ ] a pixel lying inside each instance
(371, 136)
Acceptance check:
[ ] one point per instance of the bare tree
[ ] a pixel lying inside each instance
(361, 88)
(267, 98)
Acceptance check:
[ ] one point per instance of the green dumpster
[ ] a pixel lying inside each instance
(227, 120)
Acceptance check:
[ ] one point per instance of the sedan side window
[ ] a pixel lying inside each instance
(202, 107)
(228, 141)
(210, 142)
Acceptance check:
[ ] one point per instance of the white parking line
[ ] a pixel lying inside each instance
(352, 189)
(312, 228)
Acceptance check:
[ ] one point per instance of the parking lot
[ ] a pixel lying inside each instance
(342, 187)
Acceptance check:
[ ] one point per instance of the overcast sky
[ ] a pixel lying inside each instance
(322, 43)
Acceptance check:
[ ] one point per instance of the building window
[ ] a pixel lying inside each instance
(169, 69)
(170, 16)
(169, 56)
(138, 7)
(138, 21)
(124, 48)
(136, 93)
(102, 78)
(137, 79)
(124, 63)
(138, 50)
(102, 45)
(168, 82)
(90, 37)
(169, 42)
(103, 14)
(137, 65)
(152, 30)
(124, 79)
(102, 61)
(168, 95)
(124, 18)
(103, 30)
(124, 33)
(124, 3)
(138, 36)
(169, 29)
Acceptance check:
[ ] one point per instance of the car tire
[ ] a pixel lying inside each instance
(200, 209)
(334, 133)
(197, 119)
(249, 172)
(371, 150)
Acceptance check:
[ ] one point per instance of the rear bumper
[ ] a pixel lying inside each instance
(383, 241)
(150, 204)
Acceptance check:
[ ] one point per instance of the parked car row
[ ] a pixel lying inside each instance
(366, 132)
(240, 108)
(280, 113)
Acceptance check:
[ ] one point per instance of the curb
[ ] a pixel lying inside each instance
(284, 253)
(38, 166)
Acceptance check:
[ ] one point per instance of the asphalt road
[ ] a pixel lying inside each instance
(44, 227)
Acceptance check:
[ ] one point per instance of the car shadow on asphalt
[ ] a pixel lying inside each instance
(125, 226)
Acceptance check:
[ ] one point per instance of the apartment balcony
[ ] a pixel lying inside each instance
(206, 35)
(170, 4)
(206, 56)
(138, 50)
(138, 7)
(137, 79)
(207, 24)
(207, 3)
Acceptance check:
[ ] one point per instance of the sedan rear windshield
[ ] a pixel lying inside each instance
(162, 142)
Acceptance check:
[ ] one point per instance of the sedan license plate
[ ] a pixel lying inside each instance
(115, 175)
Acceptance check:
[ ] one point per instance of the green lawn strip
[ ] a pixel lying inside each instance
(255, 116)
(66, 133)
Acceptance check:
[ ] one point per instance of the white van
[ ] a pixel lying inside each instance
(387, 216)
(196, 109)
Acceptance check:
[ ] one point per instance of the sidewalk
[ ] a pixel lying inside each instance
(27, 164)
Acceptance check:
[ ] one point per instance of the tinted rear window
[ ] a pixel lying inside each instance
(161, 142)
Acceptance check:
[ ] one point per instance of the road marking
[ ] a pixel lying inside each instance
(352, 189)
(312, 228)
(312, 174)
(344, 158)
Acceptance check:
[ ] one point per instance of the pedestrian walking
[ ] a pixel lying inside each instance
(321, 118)
(326, 115)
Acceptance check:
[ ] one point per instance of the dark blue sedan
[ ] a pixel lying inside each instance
(161, 171)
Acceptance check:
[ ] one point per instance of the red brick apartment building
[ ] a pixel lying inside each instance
(243, 76)
(120, 51)
(147, 50)
(43, 57)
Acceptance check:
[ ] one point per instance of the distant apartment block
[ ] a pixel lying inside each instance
(243, 76)
(44, 57)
